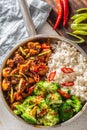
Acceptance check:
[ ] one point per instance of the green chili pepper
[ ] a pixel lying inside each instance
(22, 51)
(43, 53)
(81, 26)
(80, 32)
(79, 15)
(82, 9)
(81, 40)
(80, 19)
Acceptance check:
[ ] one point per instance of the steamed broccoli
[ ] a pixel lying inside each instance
(39, 88)
(42, 88)
(50, 119)
(75, 103)
(65, 111)
(54, 100)
(28, 118)
(53, 87)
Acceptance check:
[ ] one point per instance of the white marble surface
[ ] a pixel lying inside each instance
(9, 122)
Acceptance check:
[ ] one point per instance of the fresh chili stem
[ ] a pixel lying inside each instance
(79, 15)
(66, 11)
(60, 12)
(81, 26)
(81, 40)
(80, 32)
(80, 19)
(82, 9)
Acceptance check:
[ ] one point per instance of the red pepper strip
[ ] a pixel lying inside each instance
(69, 83)
(30, 90)
(66, 11)
(51, 76)
(64, 94)
(44, 46)
(60, 12)
(67, 70)
(36, 78)
(17, 96)
(42, 113)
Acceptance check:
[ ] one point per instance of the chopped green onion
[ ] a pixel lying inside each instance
(15, 75)
(11, 95)
(32, 58)
(43, 53)
(22, 51)
(20, 84)
(23, 75)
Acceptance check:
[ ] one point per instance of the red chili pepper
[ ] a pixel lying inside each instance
(67, 70)
(44, 46)
(69, 83)
(51, 76)
(60, 12)
(64, 94)
(36, 77)
(66, 11)
(30, 90)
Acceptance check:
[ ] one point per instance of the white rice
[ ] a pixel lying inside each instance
(67, 56)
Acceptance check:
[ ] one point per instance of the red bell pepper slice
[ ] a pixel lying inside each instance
(64, 94)
(30, 90)
(67, 70)
(44, 46)
(51, 76)
(69, 83)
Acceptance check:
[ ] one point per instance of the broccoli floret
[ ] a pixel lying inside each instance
(75, 103)
(51, 86)
(65, 111)
(29, 100)
(42, 88)
(28, 118)
(43, 105)
(54, 100)
(50, 119)
(39, 88)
